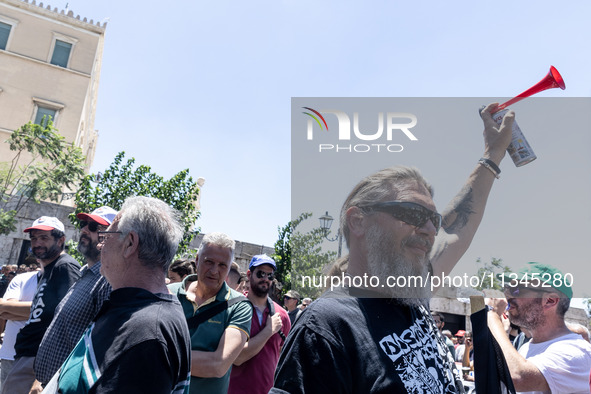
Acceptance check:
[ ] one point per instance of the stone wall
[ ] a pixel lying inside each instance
(10, 245)
(243, 252)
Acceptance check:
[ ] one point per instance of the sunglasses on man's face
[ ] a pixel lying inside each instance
(92, 226)
(408, 212)
(261, 274)
(517, 291)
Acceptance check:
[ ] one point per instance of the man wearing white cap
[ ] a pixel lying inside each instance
(60, 271)
(81, 303)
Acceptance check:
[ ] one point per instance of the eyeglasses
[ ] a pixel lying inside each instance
(516, 291)
(409, 212)
(261, 274)
(92, 226)
(287, 298)
(102, 237)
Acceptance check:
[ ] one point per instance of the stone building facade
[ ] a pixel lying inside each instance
(50, 63)
(243, 252)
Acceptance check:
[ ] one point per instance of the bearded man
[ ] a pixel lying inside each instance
(254, 367)
(555, 359)
(82, 302)
(60, 271)
(368, 337)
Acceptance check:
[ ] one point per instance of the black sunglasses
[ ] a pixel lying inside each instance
(92, 226)
(261, 274)
(287, 298)
(409, 212)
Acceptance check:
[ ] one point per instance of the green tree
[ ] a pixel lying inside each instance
(490, 271)
(52, 165)
(300, 254)
(121, 180)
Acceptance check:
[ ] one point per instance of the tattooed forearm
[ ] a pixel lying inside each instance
(457, 213)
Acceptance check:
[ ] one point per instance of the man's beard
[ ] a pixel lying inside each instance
(528, 315)
(385, 261)
(90, 250)
(256, 289)
(47, 254)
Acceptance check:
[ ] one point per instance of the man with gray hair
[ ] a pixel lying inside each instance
(368, 337)
(218, 317)
(139, 341)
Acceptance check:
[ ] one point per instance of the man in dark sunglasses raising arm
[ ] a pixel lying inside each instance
(378, 336)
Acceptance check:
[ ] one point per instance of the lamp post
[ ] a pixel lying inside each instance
(325, 223)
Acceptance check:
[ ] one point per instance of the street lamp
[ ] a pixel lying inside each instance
(325, 223)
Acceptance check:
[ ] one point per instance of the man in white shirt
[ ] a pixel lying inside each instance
(15, 307)
(555, 360)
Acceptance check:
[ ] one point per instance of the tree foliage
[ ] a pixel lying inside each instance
(121, 180)
(300, 254)
(52, 165)
(490, 271)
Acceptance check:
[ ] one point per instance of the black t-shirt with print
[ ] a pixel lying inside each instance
(56, 279)
(343, 344)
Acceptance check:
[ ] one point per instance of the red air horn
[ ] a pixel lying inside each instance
(519, 149)
(550, 81)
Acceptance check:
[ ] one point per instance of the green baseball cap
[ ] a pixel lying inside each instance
(538, 275)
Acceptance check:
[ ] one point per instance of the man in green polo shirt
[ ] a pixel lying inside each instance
(218, 340)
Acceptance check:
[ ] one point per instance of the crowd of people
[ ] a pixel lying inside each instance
(132, 320)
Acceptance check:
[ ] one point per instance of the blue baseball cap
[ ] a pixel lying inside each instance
(261, 259)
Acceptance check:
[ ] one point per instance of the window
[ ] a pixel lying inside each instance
(4, 34)
(61, 53)
(48, 108)
(44, 111)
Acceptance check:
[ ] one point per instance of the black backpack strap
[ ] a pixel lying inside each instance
(207, 314)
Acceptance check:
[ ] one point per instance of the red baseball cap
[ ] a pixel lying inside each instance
(103, 215)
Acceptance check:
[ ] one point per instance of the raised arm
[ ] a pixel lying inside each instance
(462, 216)
(525, 375)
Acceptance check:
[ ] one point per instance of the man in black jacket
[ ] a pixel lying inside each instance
(60, 271)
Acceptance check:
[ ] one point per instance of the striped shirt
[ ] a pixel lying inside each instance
(72, 317)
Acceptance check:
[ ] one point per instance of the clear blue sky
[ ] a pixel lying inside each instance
(207, 85)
